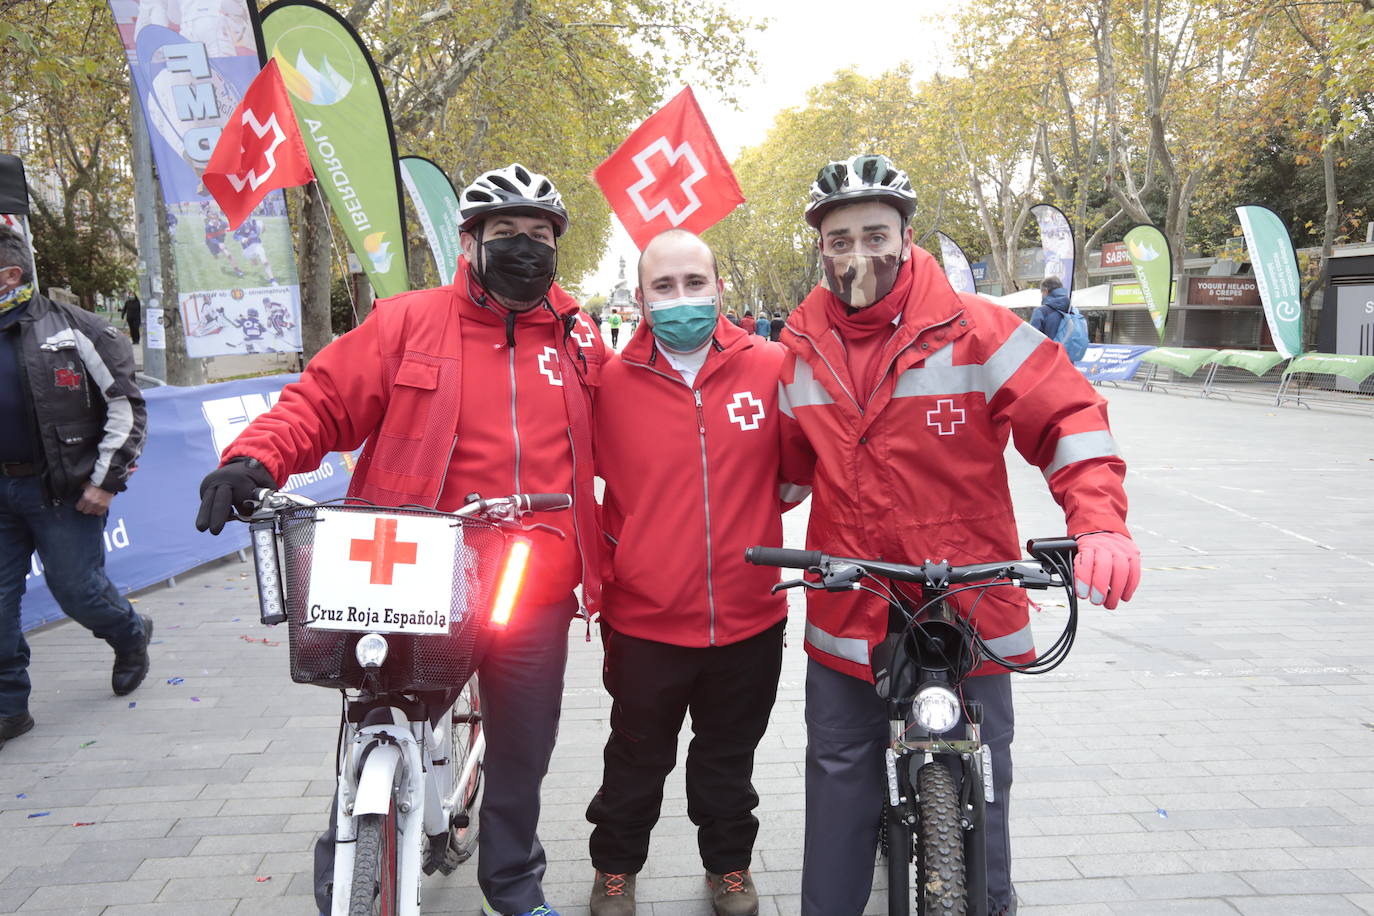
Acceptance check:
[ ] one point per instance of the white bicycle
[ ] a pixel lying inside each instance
(395, 607)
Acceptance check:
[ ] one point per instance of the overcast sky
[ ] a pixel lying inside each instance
(805, 43)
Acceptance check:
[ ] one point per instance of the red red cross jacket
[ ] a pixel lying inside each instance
(447, 407)
(920, 471)
(692, 479)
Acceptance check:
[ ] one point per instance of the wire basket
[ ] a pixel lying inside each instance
(414, 661)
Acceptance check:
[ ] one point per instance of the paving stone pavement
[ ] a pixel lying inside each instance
(1207, 749)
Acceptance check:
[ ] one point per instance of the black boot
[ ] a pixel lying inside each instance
(131, 666)
(14, 726)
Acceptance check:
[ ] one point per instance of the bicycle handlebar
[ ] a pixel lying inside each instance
(265, 503)
(1039, 572)
(783, 556)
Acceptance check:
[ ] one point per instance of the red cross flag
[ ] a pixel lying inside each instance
(259, 150)
(669, 174)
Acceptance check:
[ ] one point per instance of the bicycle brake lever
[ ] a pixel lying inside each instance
(526, 526)
(793, 583)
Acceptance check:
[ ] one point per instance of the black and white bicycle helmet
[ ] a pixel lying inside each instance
(867, 177)
(512, 189)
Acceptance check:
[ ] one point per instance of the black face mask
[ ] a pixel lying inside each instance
(518, 269)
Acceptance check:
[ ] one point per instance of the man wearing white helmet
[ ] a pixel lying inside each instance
(908, 393)
(481, 386)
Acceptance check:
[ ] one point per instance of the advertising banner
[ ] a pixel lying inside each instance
(1354, 368)
(1056, 240)
(1257, 362)
(957, 268)
(1183, 360)
(344, 118)
(1148, 251)
(1111, 362)
(150, 535)
(1276, 272)
(436, 204)
(1113, 254)
(1232, 292)
(191, 63)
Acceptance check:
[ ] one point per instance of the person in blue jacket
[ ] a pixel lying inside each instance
(1054, 305)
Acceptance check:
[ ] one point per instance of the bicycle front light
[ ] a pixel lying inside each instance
(936, 709)
(371, 650)
(271, 597)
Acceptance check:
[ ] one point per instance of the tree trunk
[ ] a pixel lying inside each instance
(181, 369)
(1314, 294)
(313, 256)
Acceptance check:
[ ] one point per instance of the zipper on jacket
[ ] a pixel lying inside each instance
(514, 426)
(812, 341)
(577, 533)
(447, 464)
(706, 502)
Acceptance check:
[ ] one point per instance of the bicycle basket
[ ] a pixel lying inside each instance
(415, 660)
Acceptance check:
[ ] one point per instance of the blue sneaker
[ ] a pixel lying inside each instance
(542, 910)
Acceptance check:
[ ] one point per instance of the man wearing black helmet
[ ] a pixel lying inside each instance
(908, 393)
(479, 386)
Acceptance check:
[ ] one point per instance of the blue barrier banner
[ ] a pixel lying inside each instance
(150, 535)
(1111, 362)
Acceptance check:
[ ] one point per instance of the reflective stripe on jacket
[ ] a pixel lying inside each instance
(692, 479)
(918, 472)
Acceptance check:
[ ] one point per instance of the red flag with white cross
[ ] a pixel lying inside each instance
(669, 174)
(259, 151)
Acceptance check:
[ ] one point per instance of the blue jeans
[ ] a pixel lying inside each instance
(71, 546)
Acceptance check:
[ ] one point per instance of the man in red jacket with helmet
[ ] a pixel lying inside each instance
(908, 393)
(482, 386)
(687, 440)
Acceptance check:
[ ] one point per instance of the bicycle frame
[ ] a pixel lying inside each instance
(918, 671)
(392, 761)
(926, 644)
(388, 762)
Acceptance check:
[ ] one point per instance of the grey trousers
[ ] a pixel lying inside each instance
(521, 686)
(846, 788)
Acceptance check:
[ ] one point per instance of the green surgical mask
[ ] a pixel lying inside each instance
(683, 324)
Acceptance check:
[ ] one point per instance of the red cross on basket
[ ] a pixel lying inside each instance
(945, 413)
(383, 551)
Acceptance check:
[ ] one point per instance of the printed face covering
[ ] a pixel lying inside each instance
(859, 280)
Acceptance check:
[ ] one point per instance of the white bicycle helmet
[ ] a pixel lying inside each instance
(513, 189)
(867, 177)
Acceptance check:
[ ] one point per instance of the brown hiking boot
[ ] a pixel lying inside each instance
(613, 895)
(733, 894)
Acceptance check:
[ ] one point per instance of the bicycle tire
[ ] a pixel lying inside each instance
(939, 844)
(374, 866)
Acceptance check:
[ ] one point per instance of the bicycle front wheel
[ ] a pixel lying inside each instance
(939, 844)
(374, 866)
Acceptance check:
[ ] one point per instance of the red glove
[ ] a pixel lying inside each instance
(1107, 569)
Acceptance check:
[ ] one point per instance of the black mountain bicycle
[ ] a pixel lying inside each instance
(931, 818)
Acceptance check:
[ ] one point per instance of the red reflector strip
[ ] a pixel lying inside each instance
(511, 582)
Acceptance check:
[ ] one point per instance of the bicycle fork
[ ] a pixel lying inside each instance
(379, 764)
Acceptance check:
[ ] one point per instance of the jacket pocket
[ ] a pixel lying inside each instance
(412, 394)
(70, 435)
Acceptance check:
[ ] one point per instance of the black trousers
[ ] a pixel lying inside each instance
(729, 690)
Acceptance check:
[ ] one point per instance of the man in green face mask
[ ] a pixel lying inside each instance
(688, 411)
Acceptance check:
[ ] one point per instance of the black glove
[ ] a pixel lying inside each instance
(232, 485)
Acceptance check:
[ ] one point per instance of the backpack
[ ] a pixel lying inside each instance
(1073, 334)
